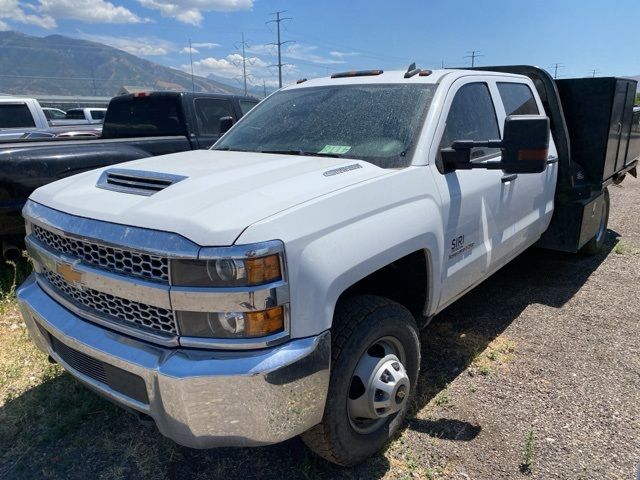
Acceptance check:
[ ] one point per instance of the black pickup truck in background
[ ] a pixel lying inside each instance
(136, 126)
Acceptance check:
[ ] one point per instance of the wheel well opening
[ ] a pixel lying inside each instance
(403, 281)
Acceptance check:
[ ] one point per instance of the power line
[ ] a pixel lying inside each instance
(474, 54)
(279, 43)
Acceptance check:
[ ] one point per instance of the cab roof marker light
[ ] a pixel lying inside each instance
(302, 80)
(142, 94)
(425, 73)
(358, 73)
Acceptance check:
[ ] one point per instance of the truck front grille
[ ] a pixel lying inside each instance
(127, 311)
(143, 265)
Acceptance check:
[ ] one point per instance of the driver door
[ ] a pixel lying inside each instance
(476, 203)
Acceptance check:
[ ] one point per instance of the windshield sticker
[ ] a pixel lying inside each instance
(335, 149)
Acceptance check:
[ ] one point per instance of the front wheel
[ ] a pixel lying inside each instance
(375, 356)
(596, 244)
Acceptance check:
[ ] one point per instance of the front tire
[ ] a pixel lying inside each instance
(375, 355)
(596, 244)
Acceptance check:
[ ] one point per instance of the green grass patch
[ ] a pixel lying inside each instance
(12, 274)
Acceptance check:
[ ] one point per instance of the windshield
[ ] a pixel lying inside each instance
(376, 123)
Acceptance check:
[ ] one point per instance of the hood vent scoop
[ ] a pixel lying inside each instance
(135, 181)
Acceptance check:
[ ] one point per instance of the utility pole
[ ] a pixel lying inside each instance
(264, 88)
(193, 85)
(279, 43)
(442, 65)
(93, 80)
(244, 66)
(474, 54)
(556, 66)
(593, 73)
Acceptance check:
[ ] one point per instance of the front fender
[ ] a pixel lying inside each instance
(341, 238)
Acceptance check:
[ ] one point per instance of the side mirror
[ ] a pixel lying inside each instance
(525, 145)
(225, 124)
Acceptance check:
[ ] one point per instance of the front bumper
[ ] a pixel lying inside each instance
(198, 398)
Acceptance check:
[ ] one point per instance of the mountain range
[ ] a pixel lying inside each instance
(58, 65)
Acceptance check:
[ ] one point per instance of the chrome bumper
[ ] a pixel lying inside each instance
(198, 398)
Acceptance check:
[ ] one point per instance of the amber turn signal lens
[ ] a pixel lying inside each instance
(533, 154)
(263, 270)
(265, 322)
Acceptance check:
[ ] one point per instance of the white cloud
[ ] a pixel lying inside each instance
(46, 12)
(143, 46)
(205, 45)
(338, 54)
(227, 67)
(186, 50)
(190, 11)
(302, 52)
(13, 12)
(230, 67)
(89, 11)
(307, 53)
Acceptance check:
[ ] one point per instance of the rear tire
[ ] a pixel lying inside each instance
(373, 340)
(596, 244)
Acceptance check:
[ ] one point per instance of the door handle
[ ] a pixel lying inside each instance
(552, 160)
(509, 178)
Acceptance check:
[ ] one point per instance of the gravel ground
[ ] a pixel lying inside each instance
(535, 374)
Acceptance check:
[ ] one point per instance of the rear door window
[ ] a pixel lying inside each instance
(246, 105)
(75, 115)
(16, 115)
(472, 116)
(517, 99)
(209, 111)
(97, 114)
(144, 116)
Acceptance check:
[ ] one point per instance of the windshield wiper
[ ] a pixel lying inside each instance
(302, 153)
(229, 149)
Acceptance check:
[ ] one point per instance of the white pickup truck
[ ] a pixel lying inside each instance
(21, 115)
(276, 284)
(24, 118)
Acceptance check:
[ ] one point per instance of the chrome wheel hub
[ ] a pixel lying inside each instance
(380, 385)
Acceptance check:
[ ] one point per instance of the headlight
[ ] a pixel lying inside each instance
(251, 270)
(237, 292)
(232, 324)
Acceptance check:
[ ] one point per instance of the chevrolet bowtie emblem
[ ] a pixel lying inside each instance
(70, 274)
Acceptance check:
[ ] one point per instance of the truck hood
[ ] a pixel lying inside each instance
(222, 194)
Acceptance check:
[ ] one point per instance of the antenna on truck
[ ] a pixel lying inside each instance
(411, 71)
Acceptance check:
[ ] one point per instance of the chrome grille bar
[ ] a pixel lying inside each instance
(119, 308)
(131, 263)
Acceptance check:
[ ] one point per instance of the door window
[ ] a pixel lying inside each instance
(472, 116)
(517, 99)
(97, 114)
(15, 115)
(209, 111)
(246, 105)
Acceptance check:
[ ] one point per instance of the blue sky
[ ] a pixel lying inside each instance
(336, 35)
